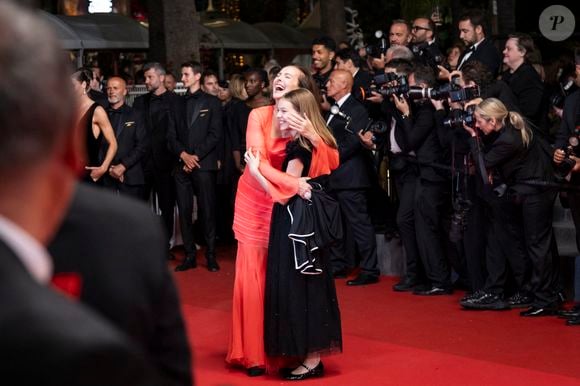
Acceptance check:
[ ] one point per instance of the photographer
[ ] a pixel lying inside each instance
(405, 174)
(569, 128)
(420, 136)
(521, 213)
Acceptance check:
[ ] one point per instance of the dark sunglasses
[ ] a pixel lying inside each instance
(417, 28)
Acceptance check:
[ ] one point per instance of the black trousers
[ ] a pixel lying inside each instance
(360, 233)
(505, 249)
(429, 207)
(406, 184)
(162, 183)
(135, 191)
(202, 184)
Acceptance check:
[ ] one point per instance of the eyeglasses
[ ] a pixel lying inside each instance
(417, 28)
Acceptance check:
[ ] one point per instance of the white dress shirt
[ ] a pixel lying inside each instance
(31, 253)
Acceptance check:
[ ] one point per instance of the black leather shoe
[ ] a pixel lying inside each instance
(317, 371)
(520, 300)
(188, 263)
(404, 286)
(213, 266)
(363, 280)
(568, 314)
(538, 311)
(487, 301)
(255, 371)
(573, 322)
(433, 291)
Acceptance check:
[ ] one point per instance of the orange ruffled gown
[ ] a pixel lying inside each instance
(252, 215)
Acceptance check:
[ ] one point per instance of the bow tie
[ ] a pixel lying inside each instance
(469, 49)
(156, 97)
(194, 95)
(114, 111)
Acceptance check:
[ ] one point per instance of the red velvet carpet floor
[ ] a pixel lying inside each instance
(393, 338)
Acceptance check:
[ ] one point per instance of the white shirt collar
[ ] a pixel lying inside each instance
(342, 100)
(31, 253)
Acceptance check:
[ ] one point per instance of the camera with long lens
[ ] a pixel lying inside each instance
(457, 117)
(572, 149)
(452, 91)
(392, 84)
(381, 82)
(378, 128)
(379, 48)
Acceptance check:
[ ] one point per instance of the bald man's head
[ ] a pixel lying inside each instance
(116, 91)
(339, 84)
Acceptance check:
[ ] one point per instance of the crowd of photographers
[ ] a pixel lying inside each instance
(476, 156)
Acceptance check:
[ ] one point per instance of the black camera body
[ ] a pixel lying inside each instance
(457, 117)
(379, 48)
(452, 90)
(381, 82)
(558, 97)
(379, 129)
(573, 148)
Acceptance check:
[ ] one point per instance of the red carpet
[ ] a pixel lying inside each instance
(393, 339)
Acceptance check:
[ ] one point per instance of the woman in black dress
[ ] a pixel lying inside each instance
(96, 127)
(301, 317)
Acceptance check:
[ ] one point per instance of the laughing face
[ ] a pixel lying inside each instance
(283, 109)
(286, 80)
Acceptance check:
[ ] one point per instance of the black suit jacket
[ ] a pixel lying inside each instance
(355, 159)
(47, 339)
(118, 247)
(361, 81)
(569, 119)
(528, 89)
(486, 53)
(199, 129)
(132, 141)
(421, 136)
(159, 159)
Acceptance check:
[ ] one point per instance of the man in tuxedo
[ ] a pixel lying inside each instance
(473, 32)
(157, 110)
(125, 278)
(350, 182)
(195, 141)
(126, 171)
(46, 338)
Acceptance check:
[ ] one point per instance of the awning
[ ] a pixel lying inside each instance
(231, 34)
(282, 36)
(108, 31)
(69, 39)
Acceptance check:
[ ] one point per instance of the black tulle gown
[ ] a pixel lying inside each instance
(301, 311)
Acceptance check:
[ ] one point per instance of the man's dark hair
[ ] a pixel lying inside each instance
(195, 66)
(424, 74)
(206, 74)
(159, 69)
(32, 120)
(476, 17)
(477, 72)
(348, 53)
(262, 74)
(401, 66)
(326, 41)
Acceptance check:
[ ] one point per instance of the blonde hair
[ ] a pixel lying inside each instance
(494, 108)
(237, 88)
(305, 103)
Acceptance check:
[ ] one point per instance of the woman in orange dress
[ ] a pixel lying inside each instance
(253, 212)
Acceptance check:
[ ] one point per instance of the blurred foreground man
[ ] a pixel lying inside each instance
(46, 339)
